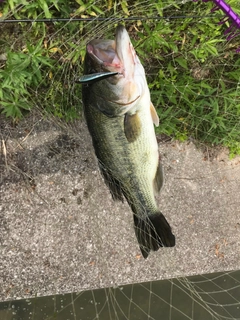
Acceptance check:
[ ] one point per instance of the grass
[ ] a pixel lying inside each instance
(193, 72)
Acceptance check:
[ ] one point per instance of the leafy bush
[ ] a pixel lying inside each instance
(22, 71)
(193, 72)
(194, 78)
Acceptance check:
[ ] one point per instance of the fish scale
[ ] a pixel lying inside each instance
(124, 139)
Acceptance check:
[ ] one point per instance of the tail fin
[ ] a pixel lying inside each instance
(152, 232)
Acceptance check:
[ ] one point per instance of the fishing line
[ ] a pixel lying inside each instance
(109, 19)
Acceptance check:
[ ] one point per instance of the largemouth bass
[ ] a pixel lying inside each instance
(120, 118)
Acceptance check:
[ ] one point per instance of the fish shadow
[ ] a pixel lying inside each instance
(63, 147)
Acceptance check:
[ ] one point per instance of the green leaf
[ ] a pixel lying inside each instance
(211, 49)
(182, 62)
(124, 6)
(97, 9)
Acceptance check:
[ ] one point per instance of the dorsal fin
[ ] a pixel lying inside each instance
(154, 115)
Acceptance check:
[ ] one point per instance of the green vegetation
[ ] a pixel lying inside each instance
(193, 72)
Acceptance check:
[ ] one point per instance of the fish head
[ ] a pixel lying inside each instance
(129, 85)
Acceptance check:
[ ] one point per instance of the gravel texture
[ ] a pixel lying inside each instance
(61, 232)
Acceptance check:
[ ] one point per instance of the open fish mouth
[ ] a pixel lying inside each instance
(116, 62)
(113, 55)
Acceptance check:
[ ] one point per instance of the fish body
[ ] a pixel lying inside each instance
(120, 117)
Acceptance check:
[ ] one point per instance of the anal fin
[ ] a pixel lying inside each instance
(159, 179)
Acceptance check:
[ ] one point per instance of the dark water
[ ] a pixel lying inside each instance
(203, 297)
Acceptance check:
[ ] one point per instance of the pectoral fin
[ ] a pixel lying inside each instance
(154, 115)
(132, 126)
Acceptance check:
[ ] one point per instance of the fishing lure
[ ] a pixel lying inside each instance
(233, 30)
(93, 77)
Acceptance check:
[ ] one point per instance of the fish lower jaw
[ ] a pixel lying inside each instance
(113, 67)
